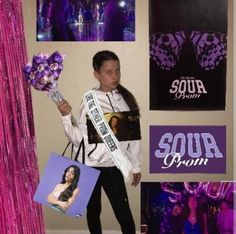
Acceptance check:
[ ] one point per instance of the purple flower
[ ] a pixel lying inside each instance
(57, 57)
(39, 58)
(44, 70)
(27, 68)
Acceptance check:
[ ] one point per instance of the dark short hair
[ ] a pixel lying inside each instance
(100, 57)
(98, 60)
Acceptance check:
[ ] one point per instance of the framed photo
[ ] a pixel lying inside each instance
(165, 207)
(125, 126)
(66, 185)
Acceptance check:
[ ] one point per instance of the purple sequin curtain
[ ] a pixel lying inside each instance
(19, 174)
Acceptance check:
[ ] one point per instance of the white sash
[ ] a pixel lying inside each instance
(112, 144)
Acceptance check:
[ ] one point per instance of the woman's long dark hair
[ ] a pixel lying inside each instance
(67, 193)
(114, 117)
(98, 60)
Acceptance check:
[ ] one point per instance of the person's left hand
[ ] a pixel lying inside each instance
(136, 179)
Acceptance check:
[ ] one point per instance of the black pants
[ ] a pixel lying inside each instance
(113, 184)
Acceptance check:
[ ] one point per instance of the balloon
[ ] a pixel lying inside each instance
(193, 187)
(169, 188)
(212, 190)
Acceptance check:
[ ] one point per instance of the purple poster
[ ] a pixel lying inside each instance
(66, 185)
(187, 149)
(188, 52)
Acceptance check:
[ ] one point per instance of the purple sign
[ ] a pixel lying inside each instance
(187, 149)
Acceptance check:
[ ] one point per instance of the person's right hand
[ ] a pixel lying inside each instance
(64, 107)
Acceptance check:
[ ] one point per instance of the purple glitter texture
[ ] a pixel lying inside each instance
(18, 168)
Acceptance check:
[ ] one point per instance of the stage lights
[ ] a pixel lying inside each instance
(122, 3)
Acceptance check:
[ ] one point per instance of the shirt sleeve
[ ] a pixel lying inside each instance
(74, 129)
(134, 154)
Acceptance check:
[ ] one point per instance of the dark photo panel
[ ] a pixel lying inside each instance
(125, 126)
(85, 20)
(187, 207)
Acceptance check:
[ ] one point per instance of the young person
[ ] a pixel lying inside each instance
(112, 97)
(225, 219)
(195, 220)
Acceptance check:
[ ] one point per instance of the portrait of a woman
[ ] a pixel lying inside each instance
(64, 193)
(114, 123)
(195, 220)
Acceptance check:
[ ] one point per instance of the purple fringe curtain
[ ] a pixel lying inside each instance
(19, 174)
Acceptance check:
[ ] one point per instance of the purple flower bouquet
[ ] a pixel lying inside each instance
(44, 73)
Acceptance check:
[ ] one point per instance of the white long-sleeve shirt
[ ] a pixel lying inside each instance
(109, 102)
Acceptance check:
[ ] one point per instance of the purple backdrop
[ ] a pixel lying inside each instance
(18, 162)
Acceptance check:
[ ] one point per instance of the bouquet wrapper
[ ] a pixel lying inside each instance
(55, 95)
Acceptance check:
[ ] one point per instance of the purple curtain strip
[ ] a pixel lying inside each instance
(19, 171)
